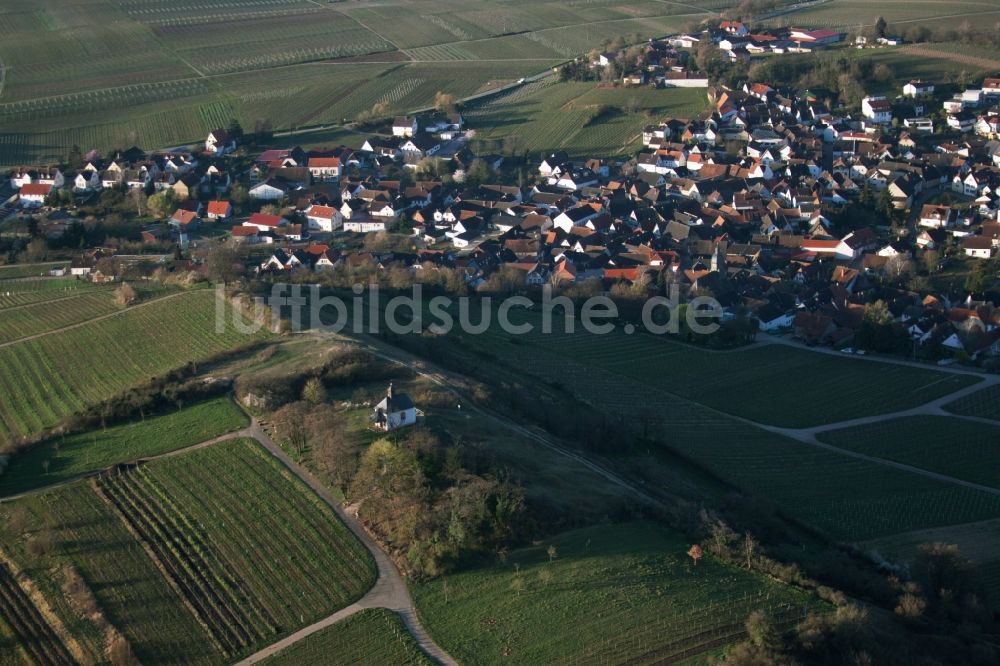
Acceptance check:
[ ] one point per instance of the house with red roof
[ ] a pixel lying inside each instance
(323, 218)
(32, 195)
(219, 210)
(266, 222)
(324, 168)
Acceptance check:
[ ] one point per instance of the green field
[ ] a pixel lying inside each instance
(72, 307)
(87, 452)
(29, 270)
(849, 14)
(52, 376)
(667, 393)
(983, 404)
(770, 384)
(27, 291)
(86, 532)
(236, 552)
(372, 636)
(962, 449)
(579, 118)
(612, 594)
(101, 74)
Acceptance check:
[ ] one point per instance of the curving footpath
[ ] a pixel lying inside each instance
(390, 591)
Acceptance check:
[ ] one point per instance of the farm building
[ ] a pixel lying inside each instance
(396, 410)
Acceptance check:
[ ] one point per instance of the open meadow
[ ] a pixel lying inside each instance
(195, 558)
(624, 593)
(49, 377)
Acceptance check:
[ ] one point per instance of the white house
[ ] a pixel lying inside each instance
(917, 88)
(219, 143)
(404, 126)
(323, 168)
(364, 226)
(396, 410)
(219, 210)
(324, 218)
(877, 110)
(978, 247)
(265, 222)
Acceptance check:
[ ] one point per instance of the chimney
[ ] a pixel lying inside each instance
(389, 392)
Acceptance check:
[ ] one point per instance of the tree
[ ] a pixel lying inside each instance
(761, 630)
(125, 295)
(694, 552)
(314, 391)
(75, 158)
(977, 281)
(444, 102)
(162, 203)
(239, 196)
(931, 259)
(880, 26)
(897, 268)
(235, 129)
(139, 200)
(551, 552)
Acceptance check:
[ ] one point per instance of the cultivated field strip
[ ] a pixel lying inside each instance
(253, 552)
(32, 635)
(45, 379)
(46, 316)
(233, 617)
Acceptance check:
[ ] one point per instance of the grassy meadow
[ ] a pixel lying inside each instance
(63, 458)
(625, 592)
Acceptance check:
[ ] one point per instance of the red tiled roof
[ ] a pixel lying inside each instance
(218, 207)
(321, 162)
(35, 189)
(264, 220)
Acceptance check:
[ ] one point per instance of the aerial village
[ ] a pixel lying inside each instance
(781, 206)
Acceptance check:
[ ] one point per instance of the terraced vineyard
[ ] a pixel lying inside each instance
(951, 446)
(23, 630)
(252, 559)
(166, 68)
(666, 394)
(23, 292)
(45, 316)
(127, 585)
(47, 378)
(373, 636)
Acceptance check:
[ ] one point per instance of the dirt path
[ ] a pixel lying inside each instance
(389, 592)
(390, 589)
(802, 435)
